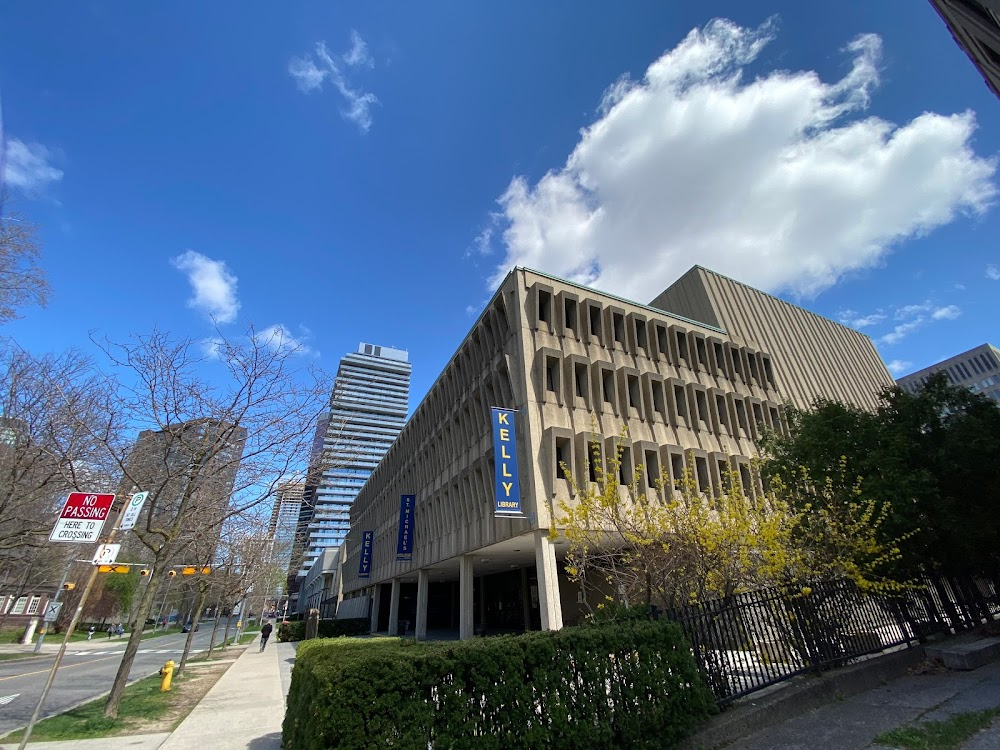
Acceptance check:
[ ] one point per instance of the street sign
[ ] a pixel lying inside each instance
(52, 611)
(113, 568)
(82, 518)
(131, 512)
(106, 554)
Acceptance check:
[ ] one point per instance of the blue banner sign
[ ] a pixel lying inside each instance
(365, 565)
(404, 542)
(508, 486)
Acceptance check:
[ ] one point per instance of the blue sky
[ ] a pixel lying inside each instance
(365, 172)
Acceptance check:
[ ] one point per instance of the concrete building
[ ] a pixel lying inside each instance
(368, 408)
(977, 369)
(320, 587)
(975, 26)
(695, 385)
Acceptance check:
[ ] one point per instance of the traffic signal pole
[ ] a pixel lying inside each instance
(62, 648)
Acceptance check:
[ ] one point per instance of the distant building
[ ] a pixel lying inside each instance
(695, 377)
(977, 369)
(975, 26)
(368, 408)
(320, 587)
(285, 521)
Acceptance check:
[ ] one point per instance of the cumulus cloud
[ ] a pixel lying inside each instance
(914, 317)
(313, 71)
(993, 272)
(780, 181)
(28, 166)
(213, 285)
(857, 321)
(279, 336)
(899, 366)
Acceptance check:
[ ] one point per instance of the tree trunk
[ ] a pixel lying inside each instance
(121, 679)
(195, 619)
(215, 629)
(229, 622)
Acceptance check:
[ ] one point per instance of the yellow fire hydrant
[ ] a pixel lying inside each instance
(168, 675)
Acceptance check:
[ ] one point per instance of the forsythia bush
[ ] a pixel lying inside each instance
(620, 685)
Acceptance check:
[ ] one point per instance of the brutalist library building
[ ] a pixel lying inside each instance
(451, 533)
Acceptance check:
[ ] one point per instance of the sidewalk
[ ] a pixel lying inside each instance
(242, 711)
(855, 722)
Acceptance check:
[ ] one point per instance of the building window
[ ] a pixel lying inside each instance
(720, 358)
(569, 314)
(652, 469)
(681, 401)
(552, 374)
(682, 349)
(640, 334)
(634, 399)
(745, 480)
(701, 403)
(738, 363)
(661, 343)
(595, 459)
(769, 371)
(595, 321)
(677, 470)
(33, 605)
(701, 474)
(741, 416)
(758, 416)
(618, 327)
(702, 354)
(19, 606)
(720, 406)
(580, 379)
(658, 404)
(544, 306)
(625, 472)
(563, 465)
(608, 386)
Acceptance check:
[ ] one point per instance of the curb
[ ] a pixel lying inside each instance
(799, 695)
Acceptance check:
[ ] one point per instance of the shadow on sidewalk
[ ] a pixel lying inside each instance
(270, 741)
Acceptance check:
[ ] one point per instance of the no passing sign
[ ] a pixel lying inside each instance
(82, 518)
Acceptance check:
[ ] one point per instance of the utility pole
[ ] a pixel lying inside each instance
(62, 648)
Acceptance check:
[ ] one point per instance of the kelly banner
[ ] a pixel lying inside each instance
(404, 542)
(508, 486)
(365, 565)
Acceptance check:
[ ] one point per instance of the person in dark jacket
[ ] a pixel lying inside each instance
(265, 633)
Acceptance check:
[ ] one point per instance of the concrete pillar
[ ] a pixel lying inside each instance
(376, 603)
(465, 609)
(394, 608)
(525, 600)
(423, 582)
(548, 582)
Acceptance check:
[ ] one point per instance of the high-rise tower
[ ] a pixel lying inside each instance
(367, 411)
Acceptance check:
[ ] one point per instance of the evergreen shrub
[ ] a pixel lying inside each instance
(296, 631)
(616, 685)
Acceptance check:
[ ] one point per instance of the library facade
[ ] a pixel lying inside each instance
(692, 379)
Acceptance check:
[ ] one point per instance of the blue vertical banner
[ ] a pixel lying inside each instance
(365, 564)
(404, 542)
(508, 485)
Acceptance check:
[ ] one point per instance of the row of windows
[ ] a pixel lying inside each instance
(21, 605)
(978, 364)
(658, 341)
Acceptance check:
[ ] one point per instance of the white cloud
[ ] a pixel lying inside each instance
(312, 71)
(993, 272)
(212, 347)
(279, 336)
(358, 55)
(949, 312)
(213, 284)
(901, 331)
(855, 320)
(27, 166)
(899, 366)
(779, 181)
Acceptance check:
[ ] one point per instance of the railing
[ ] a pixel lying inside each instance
(748, 641)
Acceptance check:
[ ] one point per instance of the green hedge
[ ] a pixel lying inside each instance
(622, 685)
(296, 631)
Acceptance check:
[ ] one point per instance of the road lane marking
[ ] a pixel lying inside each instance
(64, 666)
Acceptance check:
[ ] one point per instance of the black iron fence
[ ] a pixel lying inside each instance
(748, 641)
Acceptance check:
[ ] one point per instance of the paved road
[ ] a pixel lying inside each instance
(86, 671)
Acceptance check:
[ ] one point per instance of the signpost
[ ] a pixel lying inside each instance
(82, 518)
(106, 554)
(131, 512)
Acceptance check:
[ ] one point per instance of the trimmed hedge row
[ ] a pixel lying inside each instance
(621, 685)
(296, 631)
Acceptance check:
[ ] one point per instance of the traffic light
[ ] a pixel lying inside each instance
(144, 572)
(171, 573)
(69, 586)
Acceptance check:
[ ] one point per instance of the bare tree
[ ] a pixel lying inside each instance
(22, 281)
(220, 431)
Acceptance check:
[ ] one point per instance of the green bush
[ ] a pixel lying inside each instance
(296, 631)
(619, 685)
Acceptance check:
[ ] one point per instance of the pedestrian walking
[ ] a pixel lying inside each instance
(90, 633)
(265, 633)
(111, 631)
(121, 630)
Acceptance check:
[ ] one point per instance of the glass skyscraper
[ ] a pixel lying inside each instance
(367, 411)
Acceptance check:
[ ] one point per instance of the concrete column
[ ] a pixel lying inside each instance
(525, 600)
(423, 582)
(548, 582)
(394, 608)
(465, 609)
(376, 603)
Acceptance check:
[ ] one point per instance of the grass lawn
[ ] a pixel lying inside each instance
(141, 699)
(939, 735)
(247, 637)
